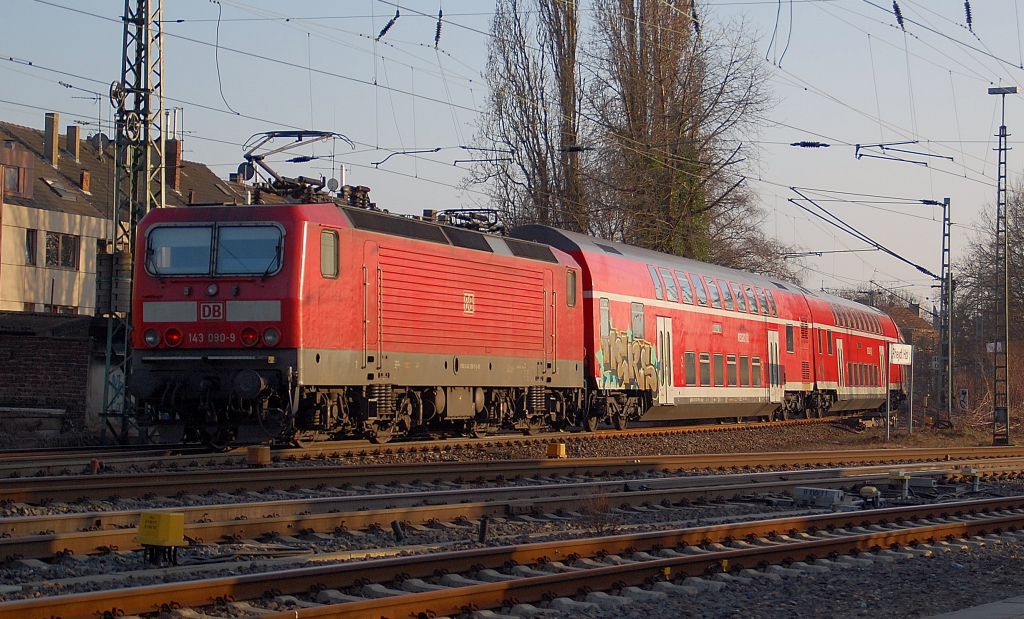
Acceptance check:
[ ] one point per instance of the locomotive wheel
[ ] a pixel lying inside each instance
(478, 430)
(381, 434)
(303, 440)
(590, 424)
(620, 422)
(534, 426)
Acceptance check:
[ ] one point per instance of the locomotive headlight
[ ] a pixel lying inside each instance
(271, 336)
(250, 336)
(211, 290)
(152, 337)
(172, 336)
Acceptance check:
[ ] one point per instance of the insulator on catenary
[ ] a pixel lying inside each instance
(437, 34)
(967, 10)
(388, 25)
(810, 144)
(899, 15)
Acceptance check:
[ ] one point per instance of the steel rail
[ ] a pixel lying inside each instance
(136, 485)
(54, 461)
(151, 598)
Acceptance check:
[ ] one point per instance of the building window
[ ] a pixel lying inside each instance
(60, 309)
(62, 250)
(744, 371)
(29, 307)
(637, 311)
(789, 339)
(570, 288)
(719, 370)
(705, 369)
(755, 371)
(730, 371)
(690, 368)
(329, 254)
(12, 183)
(658, 292)
(31, 247)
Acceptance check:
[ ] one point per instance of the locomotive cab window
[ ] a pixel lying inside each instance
(179, 250)
(658, 291)
(671, 292)
(329, 254)
(248, 250)
(570, 288)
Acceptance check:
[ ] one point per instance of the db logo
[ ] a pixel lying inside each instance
(211, 310)
(468, 303)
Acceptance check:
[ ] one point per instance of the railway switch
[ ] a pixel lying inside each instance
(902, 479)
(974, 474)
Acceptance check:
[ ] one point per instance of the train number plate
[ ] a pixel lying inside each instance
(211, 338)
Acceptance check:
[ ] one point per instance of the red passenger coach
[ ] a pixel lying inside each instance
(295, 322)
(671, 338)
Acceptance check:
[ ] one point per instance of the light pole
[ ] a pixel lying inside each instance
(1001, 344)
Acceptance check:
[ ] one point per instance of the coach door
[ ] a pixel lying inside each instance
(371, 306)
(841, 389)
(550, 307)
(665, 360)
(774, 372)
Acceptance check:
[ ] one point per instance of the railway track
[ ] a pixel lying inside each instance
(636, 565)
(58, 461)
(324, 473)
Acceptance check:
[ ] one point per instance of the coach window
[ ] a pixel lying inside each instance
(726, 294)
(744, 371)
(764, 302)
(685, 288)
(789, 339)
(849, 372)
(690, 368)
(821, 348)
(716, 297)
(828, 339)
(637, 311)
(719, 370)
(771, 302)
(671, 292)
(730, 371)
(741, 303)
(755, 371)
(329, 254)
(570, 288)
(705, 369)
(702, 296)
(606, 319)
(658, 292)
(751, 299)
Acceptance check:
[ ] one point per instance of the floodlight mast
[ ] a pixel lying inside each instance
(1001, 344)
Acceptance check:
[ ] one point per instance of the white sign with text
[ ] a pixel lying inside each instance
(901, 354)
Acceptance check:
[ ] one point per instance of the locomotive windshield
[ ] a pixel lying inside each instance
(240, 250)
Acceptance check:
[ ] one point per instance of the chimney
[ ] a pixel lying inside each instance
(172, 150)
(73, 141)
(51, 138)
(86, 178)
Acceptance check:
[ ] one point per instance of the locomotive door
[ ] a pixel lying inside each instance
(774, 373)
(371, 305)
(550, 362)
(665, 360)
(841, 389)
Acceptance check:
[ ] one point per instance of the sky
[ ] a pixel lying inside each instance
(842, 73)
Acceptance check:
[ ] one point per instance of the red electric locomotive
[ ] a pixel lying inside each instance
(295, 322)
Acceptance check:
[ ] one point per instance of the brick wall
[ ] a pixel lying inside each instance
(45, 372)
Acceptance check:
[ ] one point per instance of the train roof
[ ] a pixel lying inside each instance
(571, 242)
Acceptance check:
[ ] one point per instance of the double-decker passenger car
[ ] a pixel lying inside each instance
(302, 321)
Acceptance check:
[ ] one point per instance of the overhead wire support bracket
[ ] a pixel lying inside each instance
(405, 152)
(888, 147)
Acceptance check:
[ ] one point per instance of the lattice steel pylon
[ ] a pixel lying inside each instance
(944, 416)
(138, 188)
(1001, 345)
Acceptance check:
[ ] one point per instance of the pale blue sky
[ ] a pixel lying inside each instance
(849, 75)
